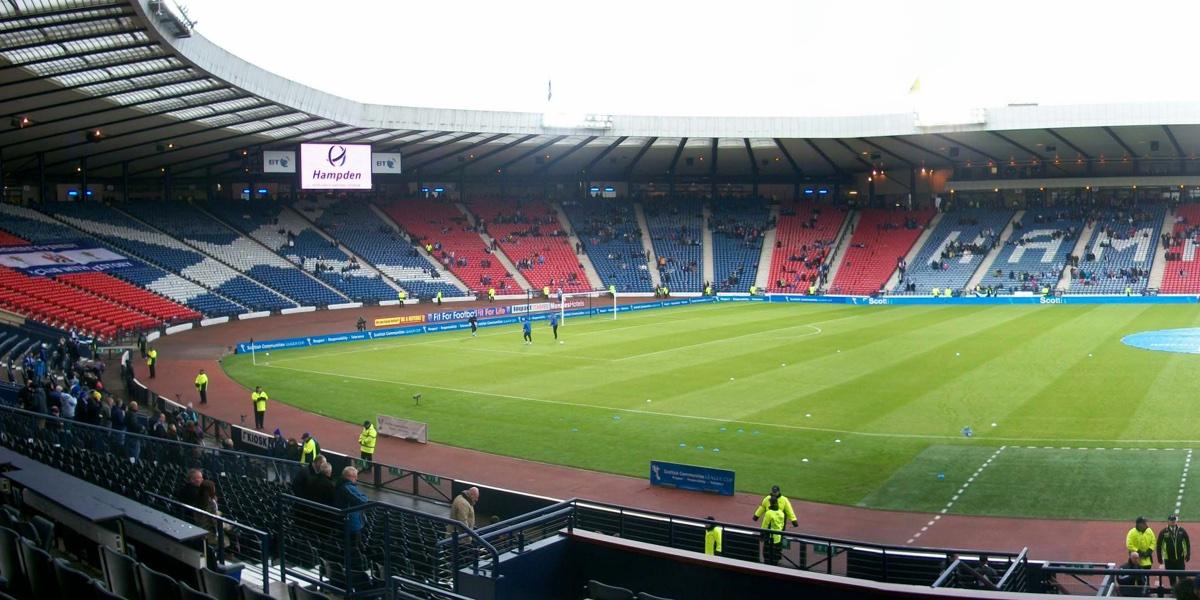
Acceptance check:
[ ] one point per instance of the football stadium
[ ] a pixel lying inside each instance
(266, 336)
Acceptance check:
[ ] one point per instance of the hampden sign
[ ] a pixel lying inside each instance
(335, 166)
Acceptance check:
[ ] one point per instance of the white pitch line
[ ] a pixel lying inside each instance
(1187, 464)
(950, 504)
(871, 434)
(816, 331)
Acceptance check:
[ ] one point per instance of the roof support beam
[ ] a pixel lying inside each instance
(642, 152)
(77, 21)
(86, 68)
(712, 166)
(1058, 136)
(971, 148)
(886, 151)
(417, 140)
(109, 50)
(553, 161)
(140, 115)
(490, 153)
(836, 169)
(1174, 142)
(131, 90)
(1128, 151)
(528, 153)
(921, 148)
(454, 140)
(61, 11)
(224, 153)
(753, 162)
(1030, 151)
(788, 155)
(587, 169)
(675, 159)
(82, 38)
(446, 155)
(866, 163)
(109, 79)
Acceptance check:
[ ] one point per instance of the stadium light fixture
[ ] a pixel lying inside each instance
(94, 135)
(21, 122)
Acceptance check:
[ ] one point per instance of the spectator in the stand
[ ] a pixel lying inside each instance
(462, 509)
(133, 426)
(1132, 585)
(208, 503)
(321, 487)
(190, 493)
(348, 496)
(159, 428)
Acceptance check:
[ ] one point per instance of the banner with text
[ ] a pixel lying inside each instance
(279, 161)
(691, 477)
(403, 428)
(59, 259)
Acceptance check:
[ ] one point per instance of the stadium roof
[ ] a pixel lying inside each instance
(163, 97)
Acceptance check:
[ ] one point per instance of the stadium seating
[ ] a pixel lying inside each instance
(1181, 275)
(61, 305)
(804, 237)
(737, 232)
(8, 239)
(202, 232)
(675, 231)
(355, 224)
(977, 229)
(289, 234)
(609, 232)
(1120, 252)
(526, 233)
(158, 248)
(457, 246)
(1035, 253)
(881, 238)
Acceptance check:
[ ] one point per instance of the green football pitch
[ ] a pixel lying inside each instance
(845, 404)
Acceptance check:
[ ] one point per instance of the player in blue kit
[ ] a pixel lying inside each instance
(554, 325)
(527, 329)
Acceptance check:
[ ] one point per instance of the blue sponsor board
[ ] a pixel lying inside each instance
(691, 477)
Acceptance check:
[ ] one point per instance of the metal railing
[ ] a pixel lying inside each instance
(226, 536)
(360, 551)
(1115, 580)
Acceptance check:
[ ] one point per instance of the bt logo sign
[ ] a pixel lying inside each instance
(389, 163)
(281, 162)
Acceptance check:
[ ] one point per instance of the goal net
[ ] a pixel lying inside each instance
(603, 300)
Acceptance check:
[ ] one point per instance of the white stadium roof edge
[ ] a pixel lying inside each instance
(164, 98)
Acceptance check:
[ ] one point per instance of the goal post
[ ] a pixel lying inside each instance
(592, 299)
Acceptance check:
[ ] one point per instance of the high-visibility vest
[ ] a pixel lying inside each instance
(260, 401)
(201, 381)
(403, 295)
(366, 439)
(151, 357)
(753, 290)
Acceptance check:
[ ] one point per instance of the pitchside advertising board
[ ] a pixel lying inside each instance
(335, 166)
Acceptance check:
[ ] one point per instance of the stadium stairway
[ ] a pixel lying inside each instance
(366, 234)
(40, 228)
(882, 237)
(437, 222)
(706, 235)
(911, 258)
(966, 226)
(311, 211)
(1123, 240)
(1158, 271)
(839, 248)
(284, 232)
(589, 269)
(446, 280)
(1035, 251)
(525, 231)
(1182, 275)
(990, 258)
(676, 230)
(647, 245)
(612, 241)
(499, 255)
(762, 279)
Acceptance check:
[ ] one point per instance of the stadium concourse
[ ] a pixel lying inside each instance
(182, 355)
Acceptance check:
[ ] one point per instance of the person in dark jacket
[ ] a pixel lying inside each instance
(347, 495)
(321, 487)
(1174, 547)
(133, 443)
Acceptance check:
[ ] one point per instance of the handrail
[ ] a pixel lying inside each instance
(520, 520)
(950, 570)
(264, 538)
(1017, 563)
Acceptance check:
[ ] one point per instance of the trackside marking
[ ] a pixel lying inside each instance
(954, 499)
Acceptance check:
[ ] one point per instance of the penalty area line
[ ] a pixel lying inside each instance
(958, 494)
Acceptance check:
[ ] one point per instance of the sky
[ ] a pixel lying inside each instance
(727, 58)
